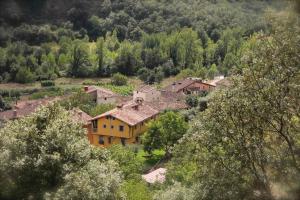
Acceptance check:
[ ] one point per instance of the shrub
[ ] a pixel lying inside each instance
(47, 83)
(119, 79)
(3, 104)
(202, 104)
(99, 109)
(24, 75)
(192, 100)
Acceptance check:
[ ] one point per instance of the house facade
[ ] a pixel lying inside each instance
(122, 125)
(101, 95)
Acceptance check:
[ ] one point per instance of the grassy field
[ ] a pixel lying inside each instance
(67, 85)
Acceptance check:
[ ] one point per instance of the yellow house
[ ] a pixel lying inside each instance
(122, 125)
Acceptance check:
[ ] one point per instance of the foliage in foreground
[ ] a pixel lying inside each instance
(48, 155)
(164, 132)
(248, 139)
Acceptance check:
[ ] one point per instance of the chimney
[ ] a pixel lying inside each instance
(15, 114)
(86, 88)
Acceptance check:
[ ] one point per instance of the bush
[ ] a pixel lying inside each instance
(4, 105)
(203, 104)
(119, 79)
(192, 100)
(47, 83)
(99, 109)
(24, 75)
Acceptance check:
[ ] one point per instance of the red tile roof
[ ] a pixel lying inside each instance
(169, 101)
(23, 108)
(131, 113)
(146, 88)
(80, 116)
(180, 85)
(26, 107)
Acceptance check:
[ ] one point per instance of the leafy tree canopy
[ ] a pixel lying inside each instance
(47, 155)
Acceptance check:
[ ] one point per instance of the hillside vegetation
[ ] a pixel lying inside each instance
(238, 142)
(150, 39)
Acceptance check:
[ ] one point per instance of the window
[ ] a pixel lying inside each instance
(105, 98)
(123, 141)
(104, 126)
(95, 125)
(136, 139)
(109, 140)
(112, 127)
(101, 140)
(113, 118)
(121, 128)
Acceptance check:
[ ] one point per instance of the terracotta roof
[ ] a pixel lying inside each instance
(158, 175)
(179, 85)
(169, 101)
(26, 107)
(131, 113)
(23, 108)
(100, 91)
(146, 88)
(80, 116)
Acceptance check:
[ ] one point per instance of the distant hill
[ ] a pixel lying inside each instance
(139, 13)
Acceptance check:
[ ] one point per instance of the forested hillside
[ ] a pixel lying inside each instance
(237, 141)
(131, 17)
(44, 40)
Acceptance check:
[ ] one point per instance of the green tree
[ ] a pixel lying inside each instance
(24, 75)
(192, 100)
(176, 192)
(193, 52)
(80, 100)
(127, 159)
(128, 59)
(100, 55)
(96, 180)
(164, 132)
(119, 79)
(212, 71)
(79, 60)
(3, 104)
(48, 151)
(136, 189)
(246, 140)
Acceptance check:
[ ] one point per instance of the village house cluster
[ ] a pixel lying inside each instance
(127, 122)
